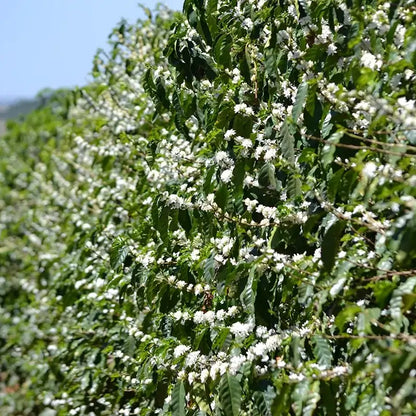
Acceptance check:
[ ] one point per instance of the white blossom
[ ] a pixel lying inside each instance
(226, 175)
(242, 330)
(180, 350)
(370, 61)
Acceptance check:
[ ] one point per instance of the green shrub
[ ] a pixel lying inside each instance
(222, 222)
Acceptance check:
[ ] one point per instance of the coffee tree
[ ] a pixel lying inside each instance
(222, 222)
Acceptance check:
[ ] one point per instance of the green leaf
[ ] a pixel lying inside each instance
(130, 65)
(161, 93)
(230, 395)
(163, 221)
(328, 398)
(281, 404)
(305, 6)
(396, 302)
(248, 295)
(209, 268)
(322, 350)
(222, 50)
(333, 184)
(130, 346)
(294, 186)
(243, 125)
(311, 98)
(225, 115)
(267, 177)
(327, 125)
(148, 83)
(179, 116)
(382, 291)
(299, 101)
(211, 16)
(261, 403)
(221, 196)
(185, 220)
(208, 183)
(330, 244)
(347, 314)
(287, 142)
(329, 148)
(221, 338)
(299, 396)
(118, 253)
(312, 399)
(178, 400)
(366, 319)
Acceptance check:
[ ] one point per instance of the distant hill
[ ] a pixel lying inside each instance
(12, 109)
(18, 108)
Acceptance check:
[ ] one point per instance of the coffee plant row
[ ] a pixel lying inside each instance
(223, 222)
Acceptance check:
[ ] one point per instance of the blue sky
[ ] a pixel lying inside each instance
(51, 43)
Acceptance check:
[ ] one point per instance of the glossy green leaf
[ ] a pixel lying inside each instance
(230, 395)
(178, 402)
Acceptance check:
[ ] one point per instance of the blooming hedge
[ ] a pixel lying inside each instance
(222, 223)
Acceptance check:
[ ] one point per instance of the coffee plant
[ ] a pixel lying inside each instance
(223, 222)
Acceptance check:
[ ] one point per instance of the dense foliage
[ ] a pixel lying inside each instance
(222, 223)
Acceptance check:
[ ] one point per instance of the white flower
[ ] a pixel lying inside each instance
(292, 11)
(223, 367)
(171, 279)
(175, 200)
(332, 49)
(272, 343)
(368, 60)
(192, 358)
(232, 311)
(209, 317)
(229, 134)
(191, 377)
(369, 170)
(199, 317)
(261, 331)
(180, 350)
(281, 363)
(247, 24)
(404, 104)
(242, 330)
(52, 348)
(250, 204)
(296, 377)
(195, 254)
(214, 371)
(338, 286)
(259, 349)
(236, 362)
(222, 158)
(339, 370)
(204, 375)
(220, 314)
(177, 315)
(226, 175)
(180, 284)
(270, 154)
(243, 109)
(210, 198)
(198, 289)
(247, 143)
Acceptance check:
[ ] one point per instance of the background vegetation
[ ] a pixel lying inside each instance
(222, 223)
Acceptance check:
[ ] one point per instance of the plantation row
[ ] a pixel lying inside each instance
(222, 223)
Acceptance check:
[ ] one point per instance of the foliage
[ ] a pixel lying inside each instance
(222, 222)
